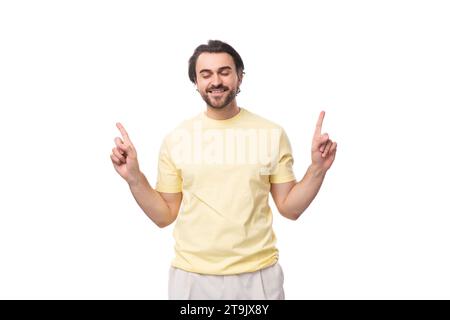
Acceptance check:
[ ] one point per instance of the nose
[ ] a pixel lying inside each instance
(216, 80)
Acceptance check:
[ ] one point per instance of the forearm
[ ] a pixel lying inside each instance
(151, 201)
(303, 192)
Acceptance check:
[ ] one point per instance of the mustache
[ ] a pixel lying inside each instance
(218, 87)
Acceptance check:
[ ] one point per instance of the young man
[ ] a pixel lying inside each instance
(223, 163)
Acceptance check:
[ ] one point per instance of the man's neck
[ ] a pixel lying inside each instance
(224, 113)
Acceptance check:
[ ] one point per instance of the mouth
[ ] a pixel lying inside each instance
(217, 92)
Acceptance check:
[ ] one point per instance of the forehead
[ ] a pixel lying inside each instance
(214, 61)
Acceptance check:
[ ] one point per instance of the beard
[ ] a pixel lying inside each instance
(219, 103)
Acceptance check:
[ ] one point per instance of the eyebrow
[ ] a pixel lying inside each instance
(220, 69)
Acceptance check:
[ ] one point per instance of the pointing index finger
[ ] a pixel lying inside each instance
(319, 123)
(123, 132)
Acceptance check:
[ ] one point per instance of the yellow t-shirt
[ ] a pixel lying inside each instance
(224, 169)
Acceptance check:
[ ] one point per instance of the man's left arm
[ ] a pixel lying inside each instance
(292, 198)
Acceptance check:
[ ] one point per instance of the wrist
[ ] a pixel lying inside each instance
(136, 180)
(317, 171)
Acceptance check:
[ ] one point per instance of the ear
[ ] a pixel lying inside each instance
(240, 77)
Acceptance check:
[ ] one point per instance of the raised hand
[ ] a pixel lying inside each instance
(323, 150)
(124, 157)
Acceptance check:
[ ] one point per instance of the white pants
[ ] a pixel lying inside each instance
(264, 284)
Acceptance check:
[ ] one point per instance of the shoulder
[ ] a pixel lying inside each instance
(262, 121)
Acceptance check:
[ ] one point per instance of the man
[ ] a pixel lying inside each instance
(222, 164)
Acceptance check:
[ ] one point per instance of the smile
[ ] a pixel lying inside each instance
(217, 92)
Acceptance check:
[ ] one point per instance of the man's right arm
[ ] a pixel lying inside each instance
(162, 208)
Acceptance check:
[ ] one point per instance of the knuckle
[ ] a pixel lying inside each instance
(117, 153)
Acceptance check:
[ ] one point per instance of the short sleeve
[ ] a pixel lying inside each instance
(283, 171)
(169, 177)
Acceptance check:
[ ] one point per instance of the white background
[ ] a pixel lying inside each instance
(69, 70)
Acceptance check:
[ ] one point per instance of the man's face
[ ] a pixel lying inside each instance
(217, 79)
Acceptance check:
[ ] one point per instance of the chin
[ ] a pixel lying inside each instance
(217, 107)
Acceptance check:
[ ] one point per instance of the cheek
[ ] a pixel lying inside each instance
(234, 82)
(201, 85)
(230, 83)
